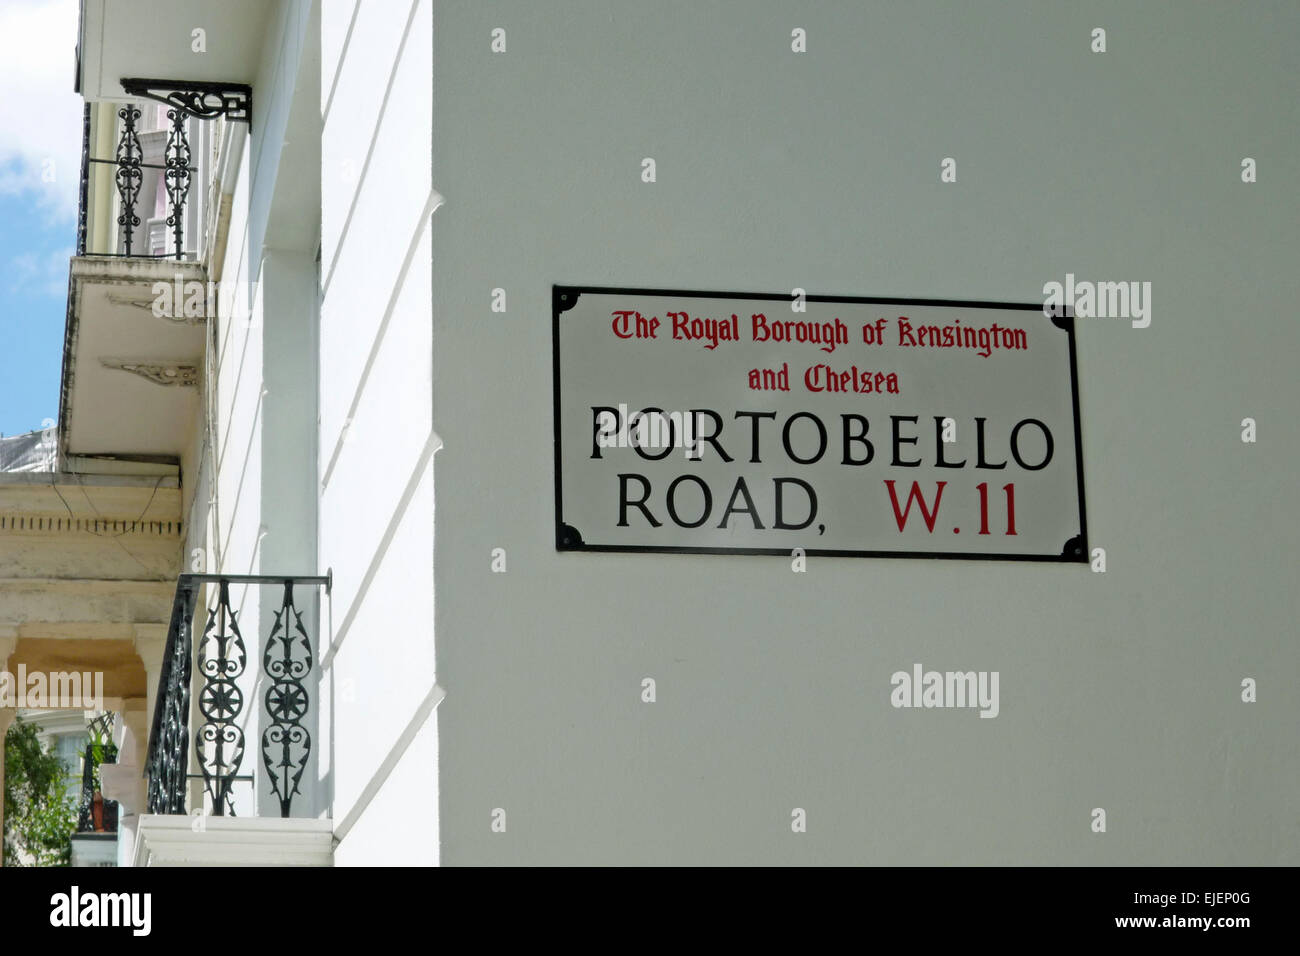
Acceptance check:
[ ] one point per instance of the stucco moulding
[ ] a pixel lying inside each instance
(183, 374)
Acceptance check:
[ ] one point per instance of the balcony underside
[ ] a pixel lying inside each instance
(133, 358)
(129, 38)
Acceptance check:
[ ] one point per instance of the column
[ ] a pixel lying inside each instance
(124, 781)
(150, 643)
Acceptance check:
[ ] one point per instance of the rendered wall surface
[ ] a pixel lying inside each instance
(264, 455)
(821, 170)
(376, 429)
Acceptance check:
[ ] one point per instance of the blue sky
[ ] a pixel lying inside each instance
(40, 153)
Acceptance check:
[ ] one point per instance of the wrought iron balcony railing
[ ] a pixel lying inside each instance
(288, 658)
(185, 101)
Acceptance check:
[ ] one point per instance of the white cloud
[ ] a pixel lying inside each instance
(40, 115)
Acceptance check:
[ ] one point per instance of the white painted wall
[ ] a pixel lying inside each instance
(376, 428)
(821, 170)
(264, 458)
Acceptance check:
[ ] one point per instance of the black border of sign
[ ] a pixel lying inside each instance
(564, 297)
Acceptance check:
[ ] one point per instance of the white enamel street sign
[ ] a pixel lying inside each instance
(754, 423)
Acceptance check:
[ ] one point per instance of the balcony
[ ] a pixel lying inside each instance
(151, 171)
(139, 294)
(168, 106)
(271, 812)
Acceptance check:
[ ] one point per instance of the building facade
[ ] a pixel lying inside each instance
(315, 272)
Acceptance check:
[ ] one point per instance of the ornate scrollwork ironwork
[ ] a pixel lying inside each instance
(83, 186)
(234, 101)
(129, 174)
(219, 742)
(286, 743)
(168, 760)
(184, 99)
(287, 662)
(176, 176)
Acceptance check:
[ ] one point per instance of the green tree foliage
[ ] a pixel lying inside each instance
(40, 815)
